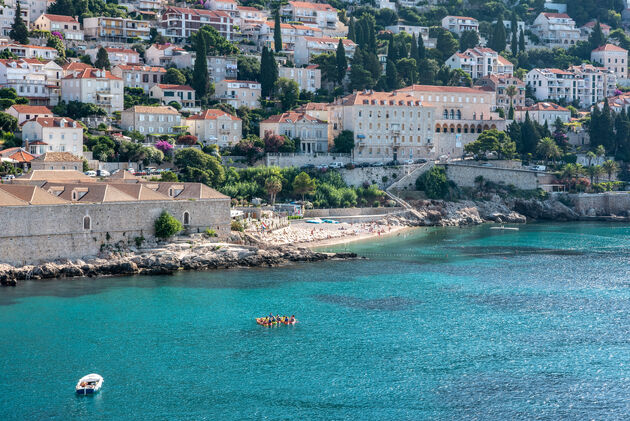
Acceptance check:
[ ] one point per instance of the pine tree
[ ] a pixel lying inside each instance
(19, 31)
(342, 62)
(413, 48)
(391, 75)
(277, 32)
(351, 32)
(201, 79)
(102, 59)
(498, 35)
(597, 38)
(422, 52)
(521, 41)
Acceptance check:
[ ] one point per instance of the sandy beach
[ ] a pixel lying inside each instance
(304, 234)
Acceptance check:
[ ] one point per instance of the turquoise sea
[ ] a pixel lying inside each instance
(438, 323)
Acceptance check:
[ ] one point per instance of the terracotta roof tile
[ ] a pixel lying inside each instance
(212, 114)
(60, 18)
(175, 87)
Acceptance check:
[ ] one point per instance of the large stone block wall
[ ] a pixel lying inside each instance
(464, 176)
(611, 203)
(335, 212)
(299, 160)
(33, 234)
(374, 175)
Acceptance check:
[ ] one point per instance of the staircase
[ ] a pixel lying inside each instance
(406, 181)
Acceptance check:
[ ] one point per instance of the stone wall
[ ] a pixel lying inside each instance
(299, 160)
(43, 233)
(464, 175)
(610, 203)
(335, 212)
(374, 175)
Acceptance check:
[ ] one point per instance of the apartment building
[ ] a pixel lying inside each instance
(221, 67)
(7, 15)
(215, 127)
(67, 25)
(556, 30)
(167, 54)
(116, 55)
(153, 6)
(321, 15)
(618, 103)
(248, 15)
(480, 61)
(460, 114)
(95, 86)
(500, 85)
(312, 132)
(151, 120)
(36, 8)
(23, 112)
(290, 33)
(136, 76)
(306, 47)
(309, 78)
(585, 83)
(104, 28)
(229, 6)
(543, 112)
(184, 95)
(54, 134)
(587, 29)
(613, 58)
(180, 23)
(30, 51)
(459, 24)
(418, 31)
(238, 93)
(33, 79)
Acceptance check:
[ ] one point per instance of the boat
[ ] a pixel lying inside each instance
(89, 385)
(284, 320)
(314, 221)
(503, 227)
(330, 221)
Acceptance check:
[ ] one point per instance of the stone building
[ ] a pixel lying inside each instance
(60, 161)
(309, 78)
(95, 86)
(312, 132)
(116, 56)
(66, 25)
(184, 95)
(238, 93)
(151, 120)
(215, 127)
(136, 76)
(543, 112)
(23, 112)
(58, 134)
(75, 220)
(500, 84)
(613, 58)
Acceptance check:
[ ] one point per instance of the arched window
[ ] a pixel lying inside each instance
(459, 114)
(445, 114)
(452, 115)
(87, 223)
(475, 116)
(186, 218)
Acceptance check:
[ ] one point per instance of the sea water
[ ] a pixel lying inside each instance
(437, 323)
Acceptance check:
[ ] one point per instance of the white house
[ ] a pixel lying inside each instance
(238, 93)
(94, 86)
(459, 24)
(306, 47)
(542, 112)
(116, 55)
(481, 61)
(58, 134)
(613, 58)
(215, 127)
(322, 15)
(66, 25)
(556, 30)
(167, 54)
(23, 112)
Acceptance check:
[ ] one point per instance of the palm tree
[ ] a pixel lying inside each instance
(590, 155)
(479, 180)
(600, 151)
(610, 167)
(511, 91)
(273, 186)
(548, 148)
(594, 171)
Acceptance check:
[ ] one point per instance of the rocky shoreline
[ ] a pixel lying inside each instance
(167, 259)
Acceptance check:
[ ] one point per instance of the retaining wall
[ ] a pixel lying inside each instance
(465, 175)
(336, 212)
(610, 203)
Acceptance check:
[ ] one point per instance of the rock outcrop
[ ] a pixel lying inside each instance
(166, 260)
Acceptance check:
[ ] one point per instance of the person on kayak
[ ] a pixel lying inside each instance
(271, 317)
(292, 319)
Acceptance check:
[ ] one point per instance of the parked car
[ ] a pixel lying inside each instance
(322, 167)
(392, 163)
(539, 167)
(308, 166)
(335, 165)
(8, 177)
(103, 173)
(487, 164)
(131, 170)
(90, 173)
(421, 161)
(378, 164)
(408, 162)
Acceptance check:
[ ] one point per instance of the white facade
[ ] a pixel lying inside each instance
(418, 31)
(116, 55)
(221, 68)
(238, 93)
(66, 25)
(459, 24)
(137, 76)
(60, 134)
(215, 127)
(7, 15)
(321, 15)
(306, 47)
(167, 54)
(543, 112)
(312, 132)
(308, 78)
(151, 120)
(556, 30)
(94, 86)
(613, 58)
(31, 78)
(31, 51)
(479, 62)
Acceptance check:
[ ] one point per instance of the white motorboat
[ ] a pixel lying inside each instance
(89, 385)
(503, 227)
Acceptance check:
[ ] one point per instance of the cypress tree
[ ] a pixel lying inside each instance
(391, 75)
(422, 52)
(511, 113)
(19, 31)
(342, 62)
(413, 48)
(529, 136)
(201, 79)
(597, 38)
(102, 59)
(277, 32)
(514, 42)
(392, 51)
(402, 50)
(268, 72)
(521, 41)
(351, 32)
(498, 35)
(607, 128)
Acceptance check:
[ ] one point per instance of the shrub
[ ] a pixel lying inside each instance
(237, 226)
(295, 217)
(139, 241)
(166, 225)
(434, 183)
(211, 233)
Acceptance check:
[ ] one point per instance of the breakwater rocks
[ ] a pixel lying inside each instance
(166, 260)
